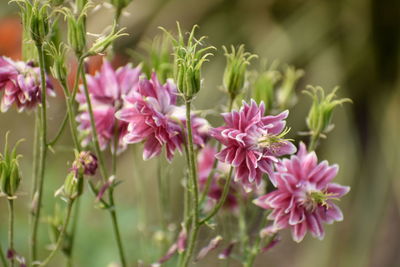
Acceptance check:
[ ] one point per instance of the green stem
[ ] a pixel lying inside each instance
(215, 163)
(103, 171)
(60, 237)
(60, 131)
(194, 188)
(2, 257)
(43, 152)
(11, 230)
(221, 200)
(73, 232)
(243, 226)
(313, 141)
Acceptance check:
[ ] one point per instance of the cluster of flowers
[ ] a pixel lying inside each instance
(136, 109)
(21, 84)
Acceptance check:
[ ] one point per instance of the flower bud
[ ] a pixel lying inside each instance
(320, 115)
(286, 93)
(264, 85)
(39, 22)
(214, 243)
(58, 70)
(235, 70)
(85, 163)
(73, 186)
(189, 59)
(10, 176)
(77, 33)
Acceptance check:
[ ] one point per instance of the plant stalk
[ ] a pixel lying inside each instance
(11, 230)
(42, 154)
(61, 235)
(103, 171)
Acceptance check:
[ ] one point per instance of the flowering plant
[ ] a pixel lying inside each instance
(228, 166)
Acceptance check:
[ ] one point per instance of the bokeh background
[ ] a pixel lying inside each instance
(351, 43)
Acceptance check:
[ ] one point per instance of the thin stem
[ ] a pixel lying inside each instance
(221, 200)
(2, 257)
(243, 226)
(215, 163)
(43, 152)
(61, 235)
(11, 230)
(103, 171)
(255, 250)
(73, 232)
(60, 131)
(34, 179)
(194, 188)
(313, 142)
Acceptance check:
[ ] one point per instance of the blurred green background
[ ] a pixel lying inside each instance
(351, 43)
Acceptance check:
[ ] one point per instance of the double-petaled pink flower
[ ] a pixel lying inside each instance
(21, 84)
(304, 197)
(154, 119)
(253, 142)
(107, 89)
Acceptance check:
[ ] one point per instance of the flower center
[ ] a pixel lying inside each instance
(272, 141)
(316, 199)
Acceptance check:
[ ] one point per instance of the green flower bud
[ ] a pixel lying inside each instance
(73, 186)
(103, 42)
(39, 22)
(235, 70)
(58, 70)
(189, 58)
(10, 176)
(264, 85)
(286, 93)
(320, 115)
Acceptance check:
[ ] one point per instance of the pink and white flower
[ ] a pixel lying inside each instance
(252, 142)
(304, 197)
(21, 84)
(107, 89)
(154, 118)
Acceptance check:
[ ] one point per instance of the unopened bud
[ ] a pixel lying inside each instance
(103, 42)
(320, 115)
(286, 93)
(235, 71)
(214, 243)
(189, 58)
(85, 163)
(39, 22)
(10, 176)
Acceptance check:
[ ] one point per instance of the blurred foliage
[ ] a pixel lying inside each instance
(351, 43)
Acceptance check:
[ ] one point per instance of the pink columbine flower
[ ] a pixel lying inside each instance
(147, 113)
(107, 89)
(253, 142)
(153, 117)
(304, 196)
(21, 84)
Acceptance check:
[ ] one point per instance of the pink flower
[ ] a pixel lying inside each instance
(304, 196)
(21, 84)
(107, 89)
(253, 142)
(148, 114)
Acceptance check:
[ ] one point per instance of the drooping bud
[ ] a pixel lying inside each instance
(103, 42)
(320, 115)
(10, 176)
(85, 163)
(286, 96)
(235, 71)
(264, 85)
(214, 243)
(225, 254)
(189, 58)
(171, 251)
(182, 238)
